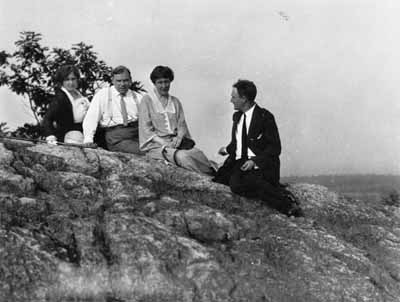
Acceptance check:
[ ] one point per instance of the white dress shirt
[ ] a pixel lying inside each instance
(249, 115)
(105, 109)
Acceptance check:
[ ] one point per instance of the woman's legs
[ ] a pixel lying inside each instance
(193, 159)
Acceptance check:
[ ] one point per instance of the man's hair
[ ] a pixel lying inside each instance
(161, 72)
(63, 72)
(121, 69)
(246, 89)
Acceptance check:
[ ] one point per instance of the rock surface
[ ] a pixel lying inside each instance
(91, 225)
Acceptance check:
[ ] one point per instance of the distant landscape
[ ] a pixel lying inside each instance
(369, 187)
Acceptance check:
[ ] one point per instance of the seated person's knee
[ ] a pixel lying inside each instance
(236, 186)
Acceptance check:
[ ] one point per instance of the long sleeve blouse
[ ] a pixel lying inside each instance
(157, 120)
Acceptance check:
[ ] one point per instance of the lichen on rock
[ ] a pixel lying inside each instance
(92, 225)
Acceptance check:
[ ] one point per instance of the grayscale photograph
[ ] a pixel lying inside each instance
(199, 151)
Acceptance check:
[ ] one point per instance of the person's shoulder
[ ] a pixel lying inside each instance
(174, 99)
(145, 98)
(136, 95)
(59, 98)
(264, 112)
(103, 90)
(59, 94)
(177, 103)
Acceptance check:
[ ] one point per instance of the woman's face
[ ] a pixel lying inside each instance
(162, 86)
(71, 82)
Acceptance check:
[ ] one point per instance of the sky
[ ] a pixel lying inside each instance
(327, 69)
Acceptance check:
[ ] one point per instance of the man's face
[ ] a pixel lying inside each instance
(162, 86)
(237, 101)
(122, 82)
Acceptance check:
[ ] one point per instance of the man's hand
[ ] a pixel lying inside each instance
(176, 141)
(248, 165)
(222, 151)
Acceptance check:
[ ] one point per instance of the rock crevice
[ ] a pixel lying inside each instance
(91, 225)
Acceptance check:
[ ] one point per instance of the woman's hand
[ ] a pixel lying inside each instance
(222, 151)
(51, 140)
(176, 141)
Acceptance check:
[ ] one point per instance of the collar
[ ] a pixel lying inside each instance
(71, 99)
(69, 96)
(157, 103)
(249, 113)
(117, 93)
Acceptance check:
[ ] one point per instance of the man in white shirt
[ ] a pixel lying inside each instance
(252, 167)
(115, 108)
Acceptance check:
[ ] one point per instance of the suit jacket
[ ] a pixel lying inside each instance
(59, 118)
(263, 140)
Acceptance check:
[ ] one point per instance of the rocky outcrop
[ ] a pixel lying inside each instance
(90, 225)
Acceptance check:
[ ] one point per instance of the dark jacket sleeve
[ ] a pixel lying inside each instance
(50, 117)
(268, 147)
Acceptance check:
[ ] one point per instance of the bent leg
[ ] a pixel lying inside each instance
(123, 139)
(252, 184)
(244, 183)
(194, 160)
(224, 173)
(127, 146)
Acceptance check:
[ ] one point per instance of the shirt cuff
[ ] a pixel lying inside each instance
(87, 140)
(143, 146)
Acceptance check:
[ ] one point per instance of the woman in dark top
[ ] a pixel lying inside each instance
(63, 120)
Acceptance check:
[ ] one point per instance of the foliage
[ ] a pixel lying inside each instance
(29, 71)
(28, 131)
(31, 131)
(4, 131)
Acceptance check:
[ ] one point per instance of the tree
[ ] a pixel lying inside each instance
(29, 72)
(4, 131)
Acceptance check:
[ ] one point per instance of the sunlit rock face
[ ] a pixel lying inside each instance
(91, 225)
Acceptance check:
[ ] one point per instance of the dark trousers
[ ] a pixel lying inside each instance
(253, 184)
(123, 138)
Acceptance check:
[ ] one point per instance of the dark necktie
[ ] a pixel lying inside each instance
(123, 111)
(244, 139)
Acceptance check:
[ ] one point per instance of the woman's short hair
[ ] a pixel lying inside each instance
(63, 72)
(161, 72)
(246, 89)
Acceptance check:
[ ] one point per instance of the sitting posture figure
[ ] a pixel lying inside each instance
(63, 120)
(163, 131)
(116, 109)
(252, 168)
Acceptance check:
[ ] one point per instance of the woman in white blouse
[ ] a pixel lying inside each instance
(63, 120)
(163, 132)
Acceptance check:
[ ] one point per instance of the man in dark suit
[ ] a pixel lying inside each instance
(252, 168)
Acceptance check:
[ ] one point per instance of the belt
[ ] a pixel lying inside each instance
(130, 124)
